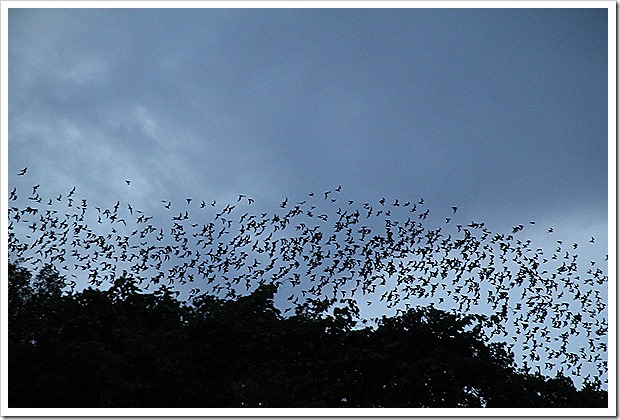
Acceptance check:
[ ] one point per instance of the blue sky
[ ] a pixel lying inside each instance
(501, 112)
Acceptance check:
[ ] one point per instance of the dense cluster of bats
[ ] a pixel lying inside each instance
(377, 253)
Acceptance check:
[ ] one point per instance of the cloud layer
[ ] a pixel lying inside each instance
(499, 111)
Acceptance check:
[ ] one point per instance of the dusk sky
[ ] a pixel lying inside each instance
(499, 112)
(502, 112)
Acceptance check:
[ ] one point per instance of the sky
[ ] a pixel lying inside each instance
(500, 112)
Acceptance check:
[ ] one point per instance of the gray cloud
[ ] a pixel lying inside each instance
(502, 112)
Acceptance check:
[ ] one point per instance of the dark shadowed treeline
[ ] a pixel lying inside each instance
(124, 348)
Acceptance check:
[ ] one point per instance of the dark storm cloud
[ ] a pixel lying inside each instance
(499, 111)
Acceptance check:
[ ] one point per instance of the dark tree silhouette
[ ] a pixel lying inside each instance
(124, 348)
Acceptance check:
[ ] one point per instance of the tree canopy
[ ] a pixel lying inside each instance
(123, 347)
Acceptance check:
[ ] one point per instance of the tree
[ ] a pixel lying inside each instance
(124, 348)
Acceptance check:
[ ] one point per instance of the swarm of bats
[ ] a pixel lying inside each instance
(377, 253)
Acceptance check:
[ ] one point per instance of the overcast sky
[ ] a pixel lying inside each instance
(502, 112)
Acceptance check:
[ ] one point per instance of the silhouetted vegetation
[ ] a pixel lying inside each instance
(122, 347)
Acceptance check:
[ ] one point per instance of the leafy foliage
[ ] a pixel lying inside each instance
(122, 347)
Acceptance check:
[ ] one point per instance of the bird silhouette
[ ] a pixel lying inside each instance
(23, 171)
(315, 246)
